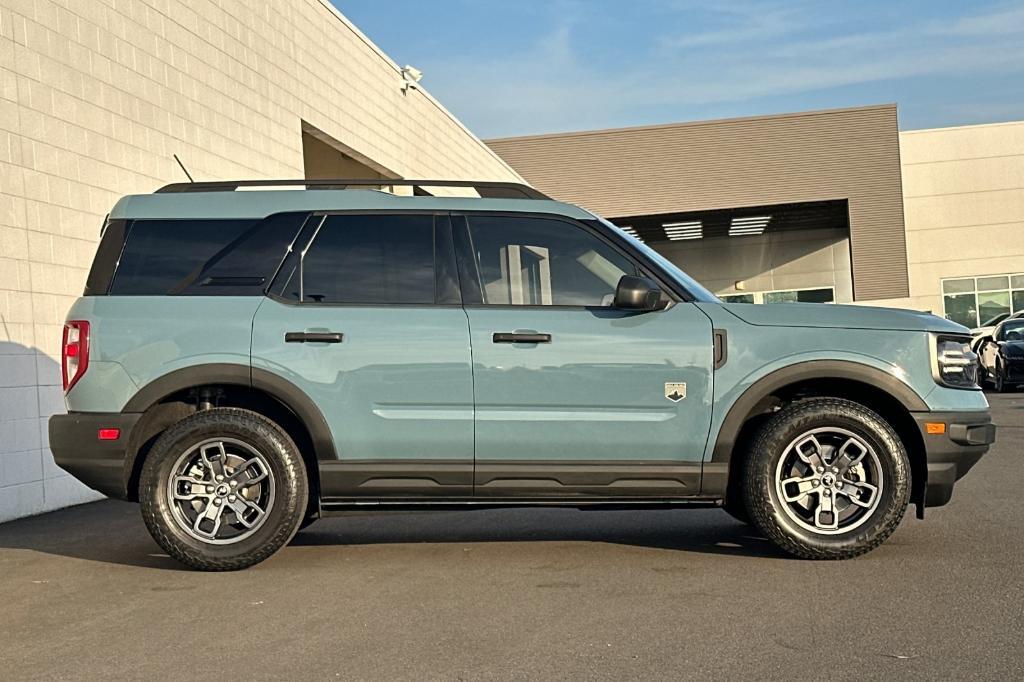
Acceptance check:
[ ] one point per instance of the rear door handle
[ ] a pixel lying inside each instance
(313, 337)
(513, 337)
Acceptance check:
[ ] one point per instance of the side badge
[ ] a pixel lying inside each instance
(675, 392)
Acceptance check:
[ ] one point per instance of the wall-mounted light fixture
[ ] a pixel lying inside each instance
(411, 76)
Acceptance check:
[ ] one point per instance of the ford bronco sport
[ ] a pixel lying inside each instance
(245, 362)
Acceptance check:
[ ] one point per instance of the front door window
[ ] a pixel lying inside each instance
(542, 262)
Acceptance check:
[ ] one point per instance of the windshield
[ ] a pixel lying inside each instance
(695, 288)
(1011, 331)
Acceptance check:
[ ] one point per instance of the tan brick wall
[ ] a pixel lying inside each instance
(95, 97)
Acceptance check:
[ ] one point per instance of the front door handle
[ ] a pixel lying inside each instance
(513, 337)
(313, 337)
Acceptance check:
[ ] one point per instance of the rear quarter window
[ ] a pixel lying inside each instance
(107, 254)
(202, 257)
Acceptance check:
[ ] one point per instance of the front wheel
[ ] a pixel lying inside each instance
(223, 489)
(827, 479)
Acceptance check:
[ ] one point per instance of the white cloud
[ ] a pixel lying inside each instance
(1000, 22)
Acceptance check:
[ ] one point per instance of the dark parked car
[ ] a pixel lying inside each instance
(1001, 355)
(989, 326)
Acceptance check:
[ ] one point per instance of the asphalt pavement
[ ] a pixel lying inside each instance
(529, 594)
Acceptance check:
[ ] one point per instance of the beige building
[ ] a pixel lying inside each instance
(963, 198)
(96, 96)
(834, 206)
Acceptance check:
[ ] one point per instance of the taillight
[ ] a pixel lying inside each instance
(74, 352)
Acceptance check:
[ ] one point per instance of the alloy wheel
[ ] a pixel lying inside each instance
(221, 491)
(829, 480)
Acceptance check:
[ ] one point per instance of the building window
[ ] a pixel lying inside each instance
(738, 298)
(980, 301)
(822, 295)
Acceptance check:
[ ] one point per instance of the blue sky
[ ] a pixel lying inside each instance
(509, 67)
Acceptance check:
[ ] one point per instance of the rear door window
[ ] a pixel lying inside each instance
(367, 259)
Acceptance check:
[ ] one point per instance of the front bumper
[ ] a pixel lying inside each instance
(102, 465)
(965, 437)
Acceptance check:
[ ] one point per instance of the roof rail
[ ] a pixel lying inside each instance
(486, 189)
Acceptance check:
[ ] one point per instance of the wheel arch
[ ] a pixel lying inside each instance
(171, 397)
(878, 390)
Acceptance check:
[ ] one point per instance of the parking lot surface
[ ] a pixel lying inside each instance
(86, 594)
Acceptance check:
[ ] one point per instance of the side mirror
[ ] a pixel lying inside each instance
(637, 293)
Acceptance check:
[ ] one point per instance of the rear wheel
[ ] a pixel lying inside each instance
(827, 478)
(223, 489)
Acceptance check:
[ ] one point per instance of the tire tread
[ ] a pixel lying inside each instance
(220, 417)
(759, 478)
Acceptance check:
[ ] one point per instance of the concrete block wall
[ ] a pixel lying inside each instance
(96, 96)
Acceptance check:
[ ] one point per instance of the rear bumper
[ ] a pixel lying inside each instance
(102, 465)
(966, 436)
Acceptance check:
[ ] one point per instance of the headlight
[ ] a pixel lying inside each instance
(954, 364)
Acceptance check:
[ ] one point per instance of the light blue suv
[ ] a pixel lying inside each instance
(245, 362)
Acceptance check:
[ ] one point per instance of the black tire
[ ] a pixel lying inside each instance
(998, 383)
(282, 517)
(768, 510)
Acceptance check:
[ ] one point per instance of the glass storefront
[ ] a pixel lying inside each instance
(976, 301)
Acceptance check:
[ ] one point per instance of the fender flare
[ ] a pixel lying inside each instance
(728, 433)
(282, 390)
